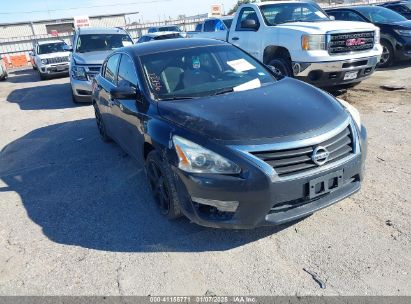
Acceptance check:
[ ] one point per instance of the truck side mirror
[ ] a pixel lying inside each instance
(250, 24)
(67, 48)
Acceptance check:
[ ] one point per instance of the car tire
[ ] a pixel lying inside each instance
(387, 57)
(282, 67)
(74, 98)
(34, 67)
(100, 125)
(163, 186)
(42, 76)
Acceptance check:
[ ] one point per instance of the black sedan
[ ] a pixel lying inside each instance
(401, 7)
(224, 141)
(395, 29)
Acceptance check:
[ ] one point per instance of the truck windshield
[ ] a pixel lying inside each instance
(101, 42)
(202, 71)
(51, 48)
(381, 15)
(292, 12)
(169, 29)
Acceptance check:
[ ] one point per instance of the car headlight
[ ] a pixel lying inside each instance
(377, 36)
(44, 61)
(194, 158)
(353, 111)
(313, 42)
(406, 33)
(78, 72)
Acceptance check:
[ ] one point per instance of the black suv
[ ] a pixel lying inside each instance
(401, 7)
(395, 29)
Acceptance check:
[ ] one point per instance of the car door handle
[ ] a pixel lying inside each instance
(235, 38)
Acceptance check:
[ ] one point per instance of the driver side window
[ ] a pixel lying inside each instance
(127, 75)
(246, 13)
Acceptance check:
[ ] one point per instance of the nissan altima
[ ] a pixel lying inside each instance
(223, 139)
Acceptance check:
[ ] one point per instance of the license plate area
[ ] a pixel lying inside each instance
(351, 75)
(325, 184)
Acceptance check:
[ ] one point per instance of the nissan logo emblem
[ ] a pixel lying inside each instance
(320, 156)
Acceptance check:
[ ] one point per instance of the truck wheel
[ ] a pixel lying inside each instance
(387, 57)
(162, 185)
(282, 67)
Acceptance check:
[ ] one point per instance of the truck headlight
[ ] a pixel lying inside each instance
(44, 61)
(353, 111)
(194, 158)
(405, 33)
(377, 36)
(313, 42)
(78, 72)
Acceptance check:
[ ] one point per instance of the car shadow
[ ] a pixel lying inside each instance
(44, 97)
(397, 66)
(27, 75)
(86, 193)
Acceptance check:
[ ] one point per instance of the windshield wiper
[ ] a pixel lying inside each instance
(225, 91)
(176, 98)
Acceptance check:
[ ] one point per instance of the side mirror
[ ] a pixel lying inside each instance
(123, 93)
(332, 18)
(31, 53)
(250, 24)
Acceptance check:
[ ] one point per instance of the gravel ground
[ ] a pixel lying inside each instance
(76, 217)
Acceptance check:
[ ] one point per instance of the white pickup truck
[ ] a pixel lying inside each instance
(300, 40)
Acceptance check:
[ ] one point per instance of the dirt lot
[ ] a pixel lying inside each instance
(76, 216)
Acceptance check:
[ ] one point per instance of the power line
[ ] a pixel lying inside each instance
(80, 7)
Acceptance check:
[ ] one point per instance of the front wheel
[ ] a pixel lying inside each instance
(282, 67)
(162, 185)
(387, 57)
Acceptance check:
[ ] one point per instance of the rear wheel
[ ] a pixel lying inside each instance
(100, 125)
(162, 185)
(387, 57)
(282, 67)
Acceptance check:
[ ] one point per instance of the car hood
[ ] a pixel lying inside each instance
(91, 58)
(54, 55)
(286, 108)
(325, 26)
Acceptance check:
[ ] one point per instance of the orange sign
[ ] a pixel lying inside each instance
(216, 10)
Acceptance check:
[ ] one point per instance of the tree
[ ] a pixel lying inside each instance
(239, 3)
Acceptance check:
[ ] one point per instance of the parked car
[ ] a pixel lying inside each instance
(401, 7)
(225, 141)
(395, 29)
(90, 47)
(3, 70)
(167, 28)
(51, 58)
(219, 28)
(298, 39)
(159, 36)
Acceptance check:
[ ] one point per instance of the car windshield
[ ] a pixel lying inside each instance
(51, 48)
(380, 15)
(102, 42)
(169, 29)
(292, 12)
(202, 71)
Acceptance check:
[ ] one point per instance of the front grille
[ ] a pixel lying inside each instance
(350, 42)
(295, 161)
(92, 72)
(58, 60)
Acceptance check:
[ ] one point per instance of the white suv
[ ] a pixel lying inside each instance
(91, 46)
(51, 58)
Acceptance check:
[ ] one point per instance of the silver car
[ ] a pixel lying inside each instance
(90, 47)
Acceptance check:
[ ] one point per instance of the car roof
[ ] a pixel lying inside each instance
(49, 41)
(157, 34)
(281, 2)
(100, 30)
(170, 45)
(353, 8)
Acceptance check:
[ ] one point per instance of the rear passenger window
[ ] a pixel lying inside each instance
(111, 69)
(210, 26)
(127, 76)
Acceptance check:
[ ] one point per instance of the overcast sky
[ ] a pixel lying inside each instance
(150, 10)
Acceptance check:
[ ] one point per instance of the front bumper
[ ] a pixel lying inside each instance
(54, 69)
(81, 89)
(263, 201)
(333, 73)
